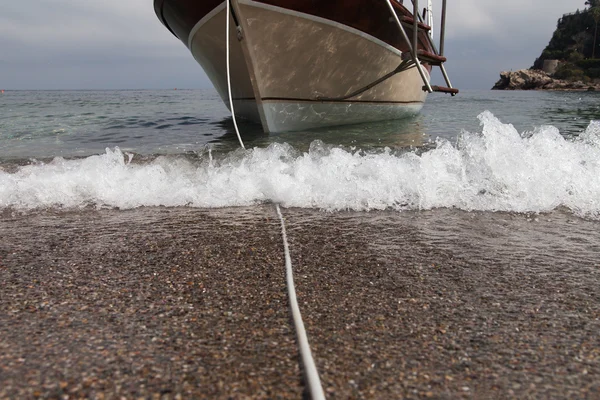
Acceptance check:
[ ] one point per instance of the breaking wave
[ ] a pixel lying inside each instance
(497, 169)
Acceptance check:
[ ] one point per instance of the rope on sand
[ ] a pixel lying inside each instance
(312, 375)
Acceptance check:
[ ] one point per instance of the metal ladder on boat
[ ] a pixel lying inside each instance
(417, 55)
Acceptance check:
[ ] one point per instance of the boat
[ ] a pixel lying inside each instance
(294, 65)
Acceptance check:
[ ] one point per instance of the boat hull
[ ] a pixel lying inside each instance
(294, 70)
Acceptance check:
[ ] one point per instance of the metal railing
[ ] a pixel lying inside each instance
(413, 44)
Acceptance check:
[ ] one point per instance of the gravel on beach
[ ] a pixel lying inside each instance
(192, 303)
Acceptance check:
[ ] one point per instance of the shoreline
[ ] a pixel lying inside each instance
(178, 302)
(534, 79)
(553, 90)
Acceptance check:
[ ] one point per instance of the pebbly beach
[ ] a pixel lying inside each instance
(191, 303)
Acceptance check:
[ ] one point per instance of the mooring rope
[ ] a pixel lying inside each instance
(237, 131)
(312, 376)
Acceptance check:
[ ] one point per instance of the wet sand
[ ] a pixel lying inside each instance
(188, 303)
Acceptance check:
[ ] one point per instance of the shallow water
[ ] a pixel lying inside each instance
(46, 124)
(485, 151)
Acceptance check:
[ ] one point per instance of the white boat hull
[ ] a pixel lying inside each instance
(293, 71)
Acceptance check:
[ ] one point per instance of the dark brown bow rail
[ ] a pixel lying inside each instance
(444, 89)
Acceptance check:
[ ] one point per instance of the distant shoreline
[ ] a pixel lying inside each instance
(533, 79)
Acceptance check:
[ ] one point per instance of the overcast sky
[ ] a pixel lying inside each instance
(120, 44)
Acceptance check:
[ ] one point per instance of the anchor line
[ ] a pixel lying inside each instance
(310, 369)
(237, 131)
(312, 376)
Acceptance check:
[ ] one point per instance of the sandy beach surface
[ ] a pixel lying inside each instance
(192, 303)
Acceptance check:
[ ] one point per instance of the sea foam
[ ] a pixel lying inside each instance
(497, 169)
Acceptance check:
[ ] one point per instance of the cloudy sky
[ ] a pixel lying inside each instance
(120, 44)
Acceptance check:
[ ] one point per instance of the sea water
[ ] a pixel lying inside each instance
(523, 152)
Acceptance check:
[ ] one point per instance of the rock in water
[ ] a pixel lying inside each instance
(523, 79)
(535, 79)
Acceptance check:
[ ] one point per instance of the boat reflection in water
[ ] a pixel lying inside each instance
(399, 135)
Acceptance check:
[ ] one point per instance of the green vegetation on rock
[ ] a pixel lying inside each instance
(576, 44)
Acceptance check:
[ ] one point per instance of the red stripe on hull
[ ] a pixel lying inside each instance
(180, 16)
(369, 16)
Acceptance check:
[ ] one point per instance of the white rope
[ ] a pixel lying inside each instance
(312, 375)
(237, 131)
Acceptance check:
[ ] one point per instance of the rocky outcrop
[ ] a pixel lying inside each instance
(534, 79)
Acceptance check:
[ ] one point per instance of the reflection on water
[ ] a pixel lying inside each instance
(573, 110)
(404, 133)
(45, 124)
(570, 112)
(442, 116)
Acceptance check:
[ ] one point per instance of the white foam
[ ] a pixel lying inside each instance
(496, 169)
